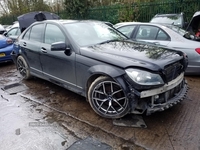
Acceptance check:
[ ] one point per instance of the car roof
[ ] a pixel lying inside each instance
(162, 15)
(132, 23)
(64, 21)
(61, 21)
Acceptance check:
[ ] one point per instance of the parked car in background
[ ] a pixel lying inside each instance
(13, 32)
(2, 29)
(177, 19)
(194, 23)
(7, 39)
(6, 47)
(170, 36)
(5, 26)
(116, 75)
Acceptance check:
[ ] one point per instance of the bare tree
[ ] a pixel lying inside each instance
(57, 6)
(18, 7)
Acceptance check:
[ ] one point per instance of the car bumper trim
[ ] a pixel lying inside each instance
(172, 84)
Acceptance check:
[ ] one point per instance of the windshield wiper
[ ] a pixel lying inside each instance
(108, 41)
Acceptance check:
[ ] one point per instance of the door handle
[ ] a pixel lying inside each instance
(156, 43)
(24, 43)
(43, 50)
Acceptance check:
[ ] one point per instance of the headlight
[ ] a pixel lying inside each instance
(143, 77)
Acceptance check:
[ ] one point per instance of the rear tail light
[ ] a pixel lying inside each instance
(197, 50)
(9, 41)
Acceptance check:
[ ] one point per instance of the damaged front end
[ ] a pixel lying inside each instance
(158, 96)
(162, 98)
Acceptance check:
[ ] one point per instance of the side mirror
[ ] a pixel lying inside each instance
(5, 33)
(58, 46)
(61, 46)
(13, 37)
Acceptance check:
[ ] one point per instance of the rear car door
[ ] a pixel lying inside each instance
(152, 34)
(57, 67)
(30, 47)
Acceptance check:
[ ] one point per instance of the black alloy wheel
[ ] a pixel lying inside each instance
(107, 98)
(23, 67)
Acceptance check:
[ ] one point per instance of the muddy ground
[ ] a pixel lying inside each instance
(177, 128)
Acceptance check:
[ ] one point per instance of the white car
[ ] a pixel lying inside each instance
(2, 29)
(13, 31)
(170, 36)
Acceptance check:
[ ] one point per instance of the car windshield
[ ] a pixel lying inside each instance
(182, 32)
(90, 33)
(174, 20)
(178, 30)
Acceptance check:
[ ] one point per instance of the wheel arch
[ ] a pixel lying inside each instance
(20, 54)
(105, 70)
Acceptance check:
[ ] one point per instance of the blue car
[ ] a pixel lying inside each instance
(6, 47)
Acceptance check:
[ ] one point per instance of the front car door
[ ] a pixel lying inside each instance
(57, 67)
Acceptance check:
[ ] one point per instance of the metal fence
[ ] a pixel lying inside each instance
(143, 12)
(140, 11)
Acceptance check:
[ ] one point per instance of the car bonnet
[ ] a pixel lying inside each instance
(127, 53)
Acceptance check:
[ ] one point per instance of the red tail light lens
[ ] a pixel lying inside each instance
(9, 41)
(197, 50)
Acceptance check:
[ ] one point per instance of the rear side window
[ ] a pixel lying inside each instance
(26, 35)
(147, 32)
(36, 33)
(12, 32)
(162, 36)
(151, 33)
(18, 32)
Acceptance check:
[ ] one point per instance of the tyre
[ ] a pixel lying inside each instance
(23, 67)
(107, 98)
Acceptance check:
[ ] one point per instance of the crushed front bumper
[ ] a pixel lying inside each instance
(164, 97)
(153, 107)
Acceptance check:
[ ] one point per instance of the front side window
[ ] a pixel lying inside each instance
(53, 34)
(127, 30)
(36, 33)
